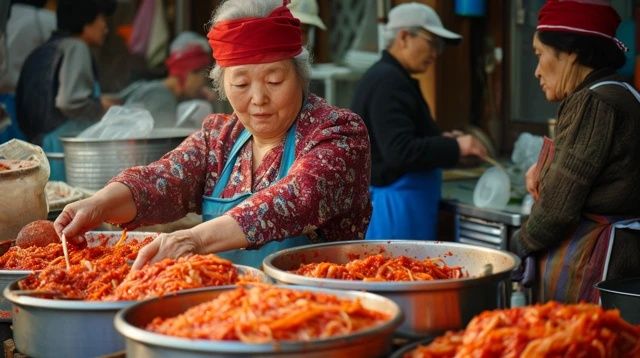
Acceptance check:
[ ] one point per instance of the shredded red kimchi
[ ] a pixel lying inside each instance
(170, 275)
(548, 330)
(381, 268)
(264, 313)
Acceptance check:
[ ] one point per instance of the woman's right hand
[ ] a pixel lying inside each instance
(470, 145)
(532, 182)
(113, 203)
(77, 218)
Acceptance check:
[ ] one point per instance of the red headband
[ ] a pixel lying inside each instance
(256, 40)
(189, 59)
(588, 18)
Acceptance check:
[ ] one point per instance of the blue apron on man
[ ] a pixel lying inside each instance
(214, 206)
(407, 208)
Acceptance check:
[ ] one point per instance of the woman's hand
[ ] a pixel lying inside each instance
(173, 245)
(220, 234)
(113, 203)
(77, 218)
(532, 182)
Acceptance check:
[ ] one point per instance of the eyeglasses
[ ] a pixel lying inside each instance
(435, 42)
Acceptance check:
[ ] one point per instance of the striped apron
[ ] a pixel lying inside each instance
(568, 272)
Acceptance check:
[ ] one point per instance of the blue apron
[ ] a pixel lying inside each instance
(214, 206)
(406, 209)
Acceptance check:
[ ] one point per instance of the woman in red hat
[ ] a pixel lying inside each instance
(585, 183)
(284, 169)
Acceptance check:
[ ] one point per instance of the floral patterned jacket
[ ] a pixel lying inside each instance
(325, 195)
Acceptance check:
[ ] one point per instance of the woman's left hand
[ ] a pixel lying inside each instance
(220, 234)
(173, 245)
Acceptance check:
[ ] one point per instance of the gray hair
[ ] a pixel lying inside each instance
(389, 35)
(238, 9)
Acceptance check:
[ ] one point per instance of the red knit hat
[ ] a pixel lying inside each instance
(587, 17)
(256, 40)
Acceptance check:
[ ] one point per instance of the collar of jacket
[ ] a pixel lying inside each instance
(597, 76)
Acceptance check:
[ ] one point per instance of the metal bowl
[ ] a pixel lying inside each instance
(90, 163)
(400, 353)
(93, 239)
(372, 342)
(430, 307)
(45, 327)
(622, 294)
(72, 328)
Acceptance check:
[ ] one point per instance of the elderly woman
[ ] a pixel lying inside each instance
(586, 182)
(284, 169)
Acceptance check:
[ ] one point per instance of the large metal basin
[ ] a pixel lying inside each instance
(93, 239)
(374, 342)
(66, 328)
(430, 307)
(90, 163)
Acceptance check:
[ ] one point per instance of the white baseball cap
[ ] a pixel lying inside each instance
(307, 12)
(420, 15)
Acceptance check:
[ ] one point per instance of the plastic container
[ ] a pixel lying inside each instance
(493, 189)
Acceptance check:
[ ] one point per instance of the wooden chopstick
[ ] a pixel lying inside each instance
(123, 237)
(493, 162)
(65, 251)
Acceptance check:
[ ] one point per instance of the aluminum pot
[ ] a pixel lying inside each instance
(90, 163)
(71, 328)
(430, 307)
(373, 342)
(622, 294)
(400, 353)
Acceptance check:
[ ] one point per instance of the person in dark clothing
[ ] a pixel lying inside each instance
(58, 90)
(407, 147)
(585, 184)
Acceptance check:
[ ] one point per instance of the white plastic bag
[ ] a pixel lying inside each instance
(526, 150)
(121, 123)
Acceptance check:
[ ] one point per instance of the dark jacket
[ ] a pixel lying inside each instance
(596, 168)
(57, 82)
(404, 137)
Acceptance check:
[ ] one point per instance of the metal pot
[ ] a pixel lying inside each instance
(622, 294)
(430, 307)
(400, 353)
(65, 328)
(373, 342)
(90, 163)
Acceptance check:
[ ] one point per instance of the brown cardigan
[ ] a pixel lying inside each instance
(596, 169)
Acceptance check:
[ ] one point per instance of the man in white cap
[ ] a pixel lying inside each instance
(407, 147)
(307, 12)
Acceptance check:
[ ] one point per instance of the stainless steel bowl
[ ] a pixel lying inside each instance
(430, 307)
(65, 328)
(90, 163)
(400, 353)
(373, 342)
(622, 294)
(93, 239)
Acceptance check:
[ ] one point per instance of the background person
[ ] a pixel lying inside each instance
(407, 147)
(284, 169)
(187, 65)
(586, 181)
(58, 91)
(29, 25)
